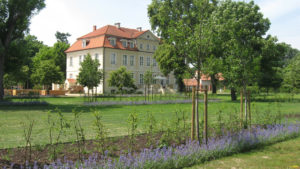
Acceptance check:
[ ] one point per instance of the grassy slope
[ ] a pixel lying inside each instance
(281, 155)
(115, 117)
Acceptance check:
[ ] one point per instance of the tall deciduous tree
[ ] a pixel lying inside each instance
(185, 29)
(15, 18)
(148, 80)
(292, 75)
(271, 63)
(46, 73)
(89, 73)
(241, 26)
(121, 79)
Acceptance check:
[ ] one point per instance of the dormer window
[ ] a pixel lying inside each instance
(112, 41)
(124, 43)
(131, 44)
(83, 43)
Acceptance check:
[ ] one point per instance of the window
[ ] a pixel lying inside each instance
(154, 80)
(141, 46)
(141, 61)
(168, 80)
(113, 59)
(71, 61)
(131, 60)
(83, 57)
(125, 60)
(141, 79)
(132, 75)
(148, 47)
(96, 56)
(131, 44)
(154, 47)
(148, 61)
(112, 42)
(83, 43)
(124, 43)
(154, 62)
(71, 76)
(80, 59)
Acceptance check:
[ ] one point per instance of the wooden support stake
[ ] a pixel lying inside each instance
(249, 108)
(193, 114)
(205, 115)
(242, 110)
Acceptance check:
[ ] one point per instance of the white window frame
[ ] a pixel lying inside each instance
(124, 43)
(154, 62)
(125, 59)
(141, 78)
(112, 41)
(97, 56)
(148, 61)
(131, 60)
(131, 44)
(141, 46)
(71, 61)
(80, 59)
(141, 61)
(113, 60)
(148, 47)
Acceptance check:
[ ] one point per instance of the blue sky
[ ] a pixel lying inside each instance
(77, 17)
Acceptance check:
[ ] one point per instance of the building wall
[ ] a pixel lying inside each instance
(149, 45)
(73, 70)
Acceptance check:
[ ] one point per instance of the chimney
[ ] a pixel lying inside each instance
(118, 25)
(94, 27)
(139, 28)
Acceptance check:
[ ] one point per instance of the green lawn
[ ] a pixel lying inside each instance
(115, 117)
(281, 155)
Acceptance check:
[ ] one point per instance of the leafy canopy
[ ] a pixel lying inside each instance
(89, 74)
(121, 79)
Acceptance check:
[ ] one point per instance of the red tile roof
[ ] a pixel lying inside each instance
(71, 80)
(99, 38)
(190, 82)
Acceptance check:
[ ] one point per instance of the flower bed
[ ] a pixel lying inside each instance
(190, 153)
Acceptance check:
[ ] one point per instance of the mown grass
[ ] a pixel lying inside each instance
(115, 117)
(281, 155)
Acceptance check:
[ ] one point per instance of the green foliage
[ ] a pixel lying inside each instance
(62, 37)
(150, 126)
(15, 18)
(121, 79)
(292, 75)
(132, 129)
(27, 134)
(57, 124)
(80, 136)
(46, 73)
(271, 63)
(89, 73)
(240, 25)
(101, 133)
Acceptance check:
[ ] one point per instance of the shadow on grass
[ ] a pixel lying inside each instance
(68, 108)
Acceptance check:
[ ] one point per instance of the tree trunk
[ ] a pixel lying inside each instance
(213, 84)
(246, 106)
(197, 109)
(233, 94)
(1, 76)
